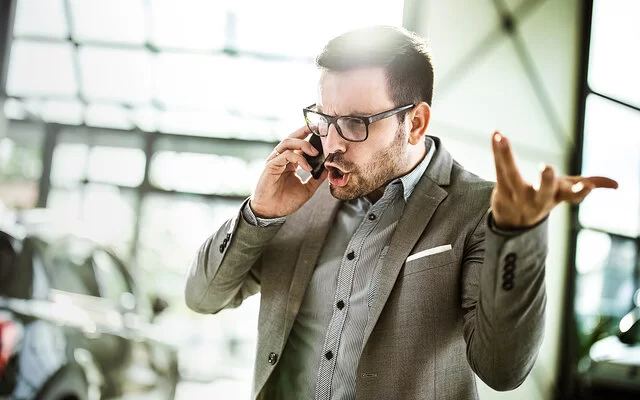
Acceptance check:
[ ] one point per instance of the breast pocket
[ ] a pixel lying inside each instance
(430, 261)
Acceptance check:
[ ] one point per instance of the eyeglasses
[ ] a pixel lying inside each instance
(350, 128)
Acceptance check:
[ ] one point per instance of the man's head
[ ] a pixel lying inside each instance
(366, 72)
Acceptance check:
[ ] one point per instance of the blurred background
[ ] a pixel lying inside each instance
(143, 124)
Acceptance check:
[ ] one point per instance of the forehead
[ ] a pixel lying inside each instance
(359, 91)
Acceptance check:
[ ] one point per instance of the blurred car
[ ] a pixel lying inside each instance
(74, 324)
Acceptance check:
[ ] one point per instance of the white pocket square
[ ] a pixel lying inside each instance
(429, 252)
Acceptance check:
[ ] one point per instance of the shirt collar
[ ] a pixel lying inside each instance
(410, 180)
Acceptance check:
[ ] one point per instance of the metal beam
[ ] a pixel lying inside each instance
(49, 145)
(7, 19)
(84, 129)
(567, 372)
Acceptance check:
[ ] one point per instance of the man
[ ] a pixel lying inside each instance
(387, 277)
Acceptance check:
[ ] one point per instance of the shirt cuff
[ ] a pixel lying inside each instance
(510, 232)
(251, 218)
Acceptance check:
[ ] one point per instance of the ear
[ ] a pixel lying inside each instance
(420, 116)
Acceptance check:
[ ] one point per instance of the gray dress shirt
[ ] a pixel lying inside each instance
(321, 355)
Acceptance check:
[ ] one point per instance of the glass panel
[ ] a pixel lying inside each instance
(116, 165)
(612, 148)
(189, 24)
(204, 173)
(605, 284)
(41, 69)
(33, 107)
(274, 87)
(613, 68)
(186, 122)
(145, 118)
(19, 161)
(69, 164)
(120, 21)
(103, 213)
(274, 34)
(172, 228)
(73, 277)
(193, 80)
(108, 116)
(221, 125)
(14, 109)
(111, 281)
(40, 18)
(63, 112)
(116, 74)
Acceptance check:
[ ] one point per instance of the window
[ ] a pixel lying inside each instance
(607, 243)
(110, 278)
(70, 276)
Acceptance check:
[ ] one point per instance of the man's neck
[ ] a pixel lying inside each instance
(417, 154)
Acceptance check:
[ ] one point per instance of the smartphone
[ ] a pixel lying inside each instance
(317, 162)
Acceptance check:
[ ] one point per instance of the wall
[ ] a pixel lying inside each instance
(522, 82)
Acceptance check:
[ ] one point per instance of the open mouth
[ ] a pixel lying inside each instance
(337, 177)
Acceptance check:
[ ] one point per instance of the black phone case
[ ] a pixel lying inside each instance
(317, 162)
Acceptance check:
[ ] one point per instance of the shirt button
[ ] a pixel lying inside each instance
(272, 359)
(351, 255)
(372, 217)
(329, 355)
(340, 305)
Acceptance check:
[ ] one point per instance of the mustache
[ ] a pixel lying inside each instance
(338, 159)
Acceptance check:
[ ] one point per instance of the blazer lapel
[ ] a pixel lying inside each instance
(319, 220)
(421, 206)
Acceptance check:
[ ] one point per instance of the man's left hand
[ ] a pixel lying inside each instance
(517, 204)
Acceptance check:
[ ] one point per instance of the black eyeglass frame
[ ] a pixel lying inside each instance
(365, 120)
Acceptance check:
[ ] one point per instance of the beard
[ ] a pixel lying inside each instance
(382, 168)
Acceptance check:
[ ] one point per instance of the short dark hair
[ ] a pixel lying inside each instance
(404, 55)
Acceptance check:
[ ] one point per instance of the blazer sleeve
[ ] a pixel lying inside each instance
(226, 269)
(504, 299)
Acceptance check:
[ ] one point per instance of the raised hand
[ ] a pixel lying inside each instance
(517, 204)
(279, 191)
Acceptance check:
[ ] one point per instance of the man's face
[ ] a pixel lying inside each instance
(359, 169)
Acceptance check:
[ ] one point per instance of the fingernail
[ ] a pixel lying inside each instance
(577, 187)
(498, 137)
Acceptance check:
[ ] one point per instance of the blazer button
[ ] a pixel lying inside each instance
(272, 359)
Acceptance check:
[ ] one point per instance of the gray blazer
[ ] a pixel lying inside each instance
(435, 320)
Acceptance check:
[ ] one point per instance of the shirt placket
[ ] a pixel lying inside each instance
(344, 288)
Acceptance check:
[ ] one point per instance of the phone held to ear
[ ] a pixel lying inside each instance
(317, 162)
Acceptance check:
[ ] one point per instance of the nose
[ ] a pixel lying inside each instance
(333, 142)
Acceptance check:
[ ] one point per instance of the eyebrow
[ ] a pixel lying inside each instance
(352, 114)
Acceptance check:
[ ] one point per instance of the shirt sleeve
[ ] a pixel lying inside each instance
(510, 233)
(251, 218)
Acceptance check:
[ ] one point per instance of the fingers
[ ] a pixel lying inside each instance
(295, 141)
(548, 185)
(573, 192)
(300, 133)
(602, 182)
(288, 161)
(506, 170)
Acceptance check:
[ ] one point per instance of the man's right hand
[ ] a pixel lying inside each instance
(279, 191)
